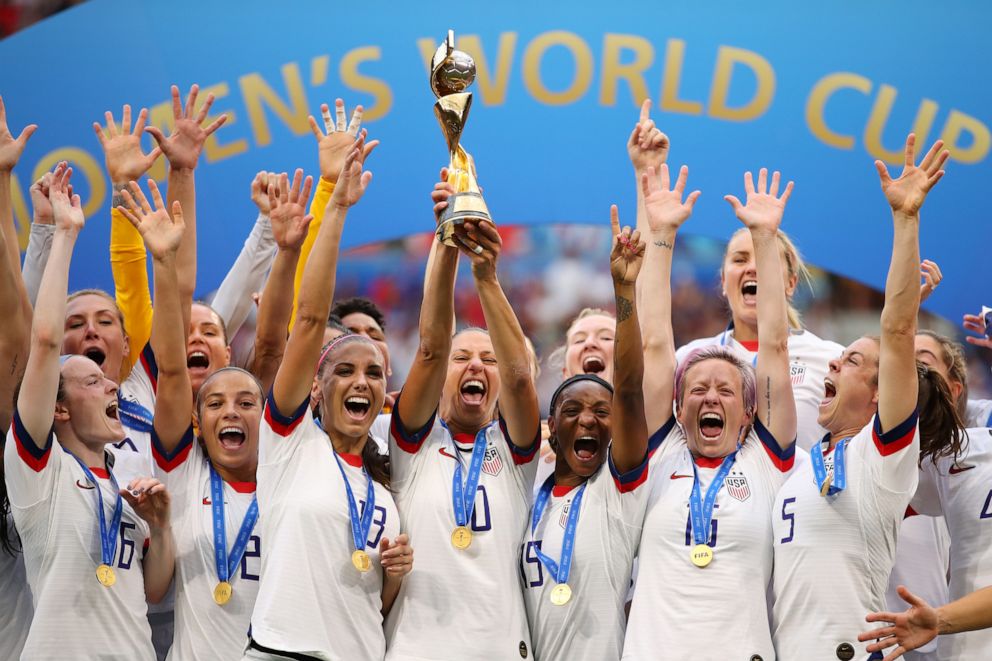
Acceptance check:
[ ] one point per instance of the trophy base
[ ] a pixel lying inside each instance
(467, 205)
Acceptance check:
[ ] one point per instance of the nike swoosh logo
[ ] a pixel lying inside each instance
(959, 469)
(445, 452)
(675, 477)
(84, 486)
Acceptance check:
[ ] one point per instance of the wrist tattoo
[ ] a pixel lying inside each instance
(625, 308)
(661, 243)
(117, 200)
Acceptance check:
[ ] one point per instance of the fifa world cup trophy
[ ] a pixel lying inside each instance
(452, 72)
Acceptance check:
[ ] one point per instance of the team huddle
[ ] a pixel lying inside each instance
(740, 498)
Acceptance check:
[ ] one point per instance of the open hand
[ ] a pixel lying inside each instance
(906, 194)
(11, 148)
(288, 210)
(663, 206)
(910, 629)
(764, 207)
(126, 160)
(976, 323)
(352, 181)
(161, 232)
(184, 144)
(647, 146)
(150, 500)
(397, 557)
(627, 253)
(336, 141)
(66, 207)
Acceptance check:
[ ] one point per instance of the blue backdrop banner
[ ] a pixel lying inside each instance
(817, 91)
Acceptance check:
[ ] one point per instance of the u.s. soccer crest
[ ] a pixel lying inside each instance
(738, 488)
(563, 519)
(797, 373)
(492, 464)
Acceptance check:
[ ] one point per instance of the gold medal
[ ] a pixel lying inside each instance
(461, 538)
(561, 594)
(701, 555)
(361, 561)
(223, 592)
(825, 489)
(105, 574)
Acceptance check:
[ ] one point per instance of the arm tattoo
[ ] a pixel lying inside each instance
(118, 200)
(625, 308)
(661, 243)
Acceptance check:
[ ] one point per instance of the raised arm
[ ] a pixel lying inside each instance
(629, 427)
(664, 212)
(39, 388)
(182, 148)
(162, 235)
(425, 380)
(233, 301)
(40, 238)
(15, 308)
(295, 375)
(334, 144)
(897, 380)
(126, 161)
(647, 147)
(290, 220)
(518, 395)
(762, 216)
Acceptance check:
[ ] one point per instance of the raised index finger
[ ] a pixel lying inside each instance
(615, 220)
(645, 110)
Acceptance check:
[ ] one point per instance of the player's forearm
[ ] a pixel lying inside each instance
(654, 310)
(35, 258)
(273, 317)
(128, 265)
(182, 188)
(318, 207)
(390, 589)
(174, 400)
(902, 284)
(11, 244)
(437, 310)
(159, 564)
(13, 338)
(233, 301)
(630, 431)
(969, 613)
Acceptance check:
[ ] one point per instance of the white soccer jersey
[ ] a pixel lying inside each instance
(718, 612)
(809, 358)
(460, 605)
(590, 627)
(53, 504)
(204, 629)
(833, 554)
(921, 563)
(978, 413)
(962, 492)
(137, 393)
(15, 599)
(311, 599)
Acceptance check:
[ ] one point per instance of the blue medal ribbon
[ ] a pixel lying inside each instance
(820, 467)
(359, 527)
(133, 415)
(108, 535)
(228, 562)
(701, 509)
(560, 570)
(463, 494)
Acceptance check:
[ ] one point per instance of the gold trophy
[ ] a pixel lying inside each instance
(452, 72)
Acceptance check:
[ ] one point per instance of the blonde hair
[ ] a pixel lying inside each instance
(557, 357)
(795, 267)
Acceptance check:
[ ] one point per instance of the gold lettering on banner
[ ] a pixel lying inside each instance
(632, 73)
(492, 86)
(727, 58)
(82, 162)
(958, 124)
(257, 92)
(879, 117)
(581, 79)
(816, 104)
(382, 95)
(672, 78)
